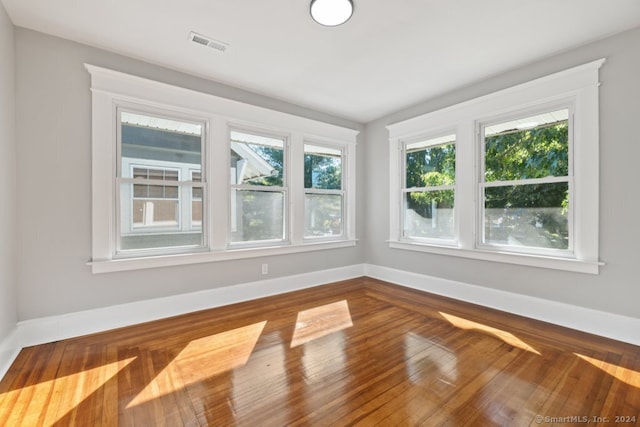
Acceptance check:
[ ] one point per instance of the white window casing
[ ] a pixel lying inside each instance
(575, 89)
(112, 90)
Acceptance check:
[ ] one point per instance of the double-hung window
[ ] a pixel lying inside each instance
(513, 178)
(323, 191)
(428, 193)
(258, 187)
(525, 183)
(182, 177)
(159, 155)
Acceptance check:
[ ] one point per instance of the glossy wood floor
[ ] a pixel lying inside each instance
(360, 352)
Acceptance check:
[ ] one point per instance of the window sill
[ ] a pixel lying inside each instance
(541, 261)
(139, 263)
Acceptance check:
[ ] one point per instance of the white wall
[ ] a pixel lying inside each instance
(53, 112)
(617, 288)
(7, 179)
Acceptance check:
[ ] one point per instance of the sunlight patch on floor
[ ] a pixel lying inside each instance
(505, 336)
(83, 384)
(320, 321)
(626, 375)
(201, 359)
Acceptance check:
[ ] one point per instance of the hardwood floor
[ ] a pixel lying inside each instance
(359, 352)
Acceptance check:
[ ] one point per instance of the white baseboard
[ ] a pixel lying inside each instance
(9, 349)
(610, 325)
(53, 328)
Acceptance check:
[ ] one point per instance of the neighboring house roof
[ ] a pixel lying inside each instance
(254, 165)
(153, 138)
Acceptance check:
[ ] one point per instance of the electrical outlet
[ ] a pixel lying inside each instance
(265, 269)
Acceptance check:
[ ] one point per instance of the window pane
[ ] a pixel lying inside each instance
(322, 167)
(257, 215)
(256, 160)
(431, 162)
(152, 223)
(531, 147)
(323, 215)
(533, 215)
(429, 214)
(156, 141)
(158, 211)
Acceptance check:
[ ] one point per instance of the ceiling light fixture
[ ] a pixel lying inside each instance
(331, 12)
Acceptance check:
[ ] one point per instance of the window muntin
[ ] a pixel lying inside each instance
(428, 193)
(157, 156)
(526, 183)
(258, 191)
(323, 191)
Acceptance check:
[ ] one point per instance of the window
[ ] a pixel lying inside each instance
(525, 184)
(158, 157)
(182, 177)
(428, 193)
(514, 179)
(323, 192)
(258, 188)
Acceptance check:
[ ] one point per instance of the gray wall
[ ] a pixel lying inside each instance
(54, 170)
(617, 288)
(54, 192)
(7, 177)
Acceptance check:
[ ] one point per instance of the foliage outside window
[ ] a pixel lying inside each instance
(524, 185)
(324, 194)
(526, 182)
(429, 190)
(182, 177)
(258, 189)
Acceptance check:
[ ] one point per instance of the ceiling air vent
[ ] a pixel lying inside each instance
(208, 42)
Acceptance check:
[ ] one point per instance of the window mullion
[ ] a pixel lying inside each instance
(217, 192)
(466, 175)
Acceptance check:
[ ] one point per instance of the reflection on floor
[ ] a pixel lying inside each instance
(360, 352)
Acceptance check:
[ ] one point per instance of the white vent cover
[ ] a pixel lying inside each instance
(208, 42)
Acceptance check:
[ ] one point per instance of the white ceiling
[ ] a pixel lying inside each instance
(389, 55)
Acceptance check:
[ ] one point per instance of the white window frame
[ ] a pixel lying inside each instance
(111, 89)
(344, 180)
(405, 190)
(284, 189)
(568, 253)
(576, 87)
(124, 215)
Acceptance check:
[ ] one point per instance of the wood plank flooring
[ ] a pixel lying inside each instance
(360, 352)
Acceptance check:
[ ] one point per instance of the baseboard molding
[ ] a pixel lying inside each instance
(9, 349)
(53, 328)
(609, 325)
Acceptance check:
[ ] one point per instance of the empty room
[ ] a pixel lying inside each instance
(319, 213)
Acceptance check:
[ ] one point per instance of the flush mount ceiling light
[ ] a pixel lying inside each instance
(331, 12)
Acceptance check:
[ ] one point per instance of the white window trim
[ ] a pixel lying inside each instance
(568, 104)
(284, 189)
(111, 88)
(344, 178)
(578, 85)
(404, 190)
